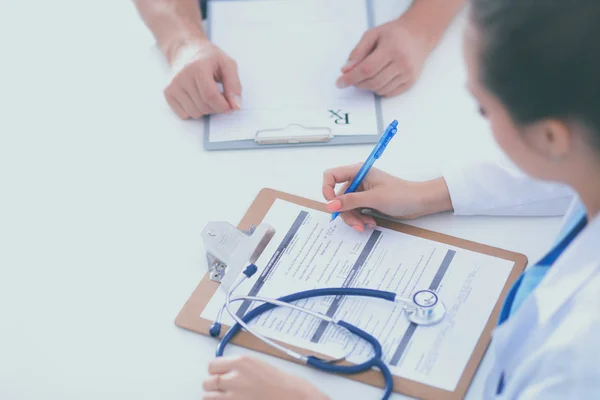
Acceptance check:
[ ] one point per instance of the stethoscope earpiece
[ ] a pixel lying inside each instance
(215, 329)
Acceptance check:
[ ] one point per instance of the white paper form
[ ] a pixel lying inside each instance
(308, 251)
(289, 55)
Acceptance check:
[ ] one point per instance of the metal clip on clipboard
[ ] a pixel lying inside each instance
(293, 134)
(228, 249)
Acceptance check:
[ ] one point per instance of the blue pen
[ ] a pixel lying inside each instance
(375, 154)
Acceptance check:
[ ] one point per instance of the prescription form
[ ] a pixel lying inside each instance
(289, 56)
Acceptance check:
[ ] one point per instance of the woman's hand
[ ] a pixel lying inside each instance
(246, 378)
(384, 193)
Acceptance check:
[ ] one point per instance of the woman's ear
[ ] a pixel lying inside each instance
(551, 139)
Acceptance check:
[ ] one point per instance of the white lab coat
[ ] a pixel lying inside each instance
(550, 348)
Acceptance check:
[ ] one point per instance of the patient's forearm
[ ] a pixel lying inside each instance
(435, 15)
(174, 23)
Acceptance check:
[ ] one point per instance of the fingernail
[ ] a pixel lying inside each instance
(334, 205)
(340, 83)
(371, 226)
(238, 102)
(349, 64)
(359, 228)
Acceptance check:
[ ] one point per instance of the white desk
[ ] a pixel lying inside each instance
(104, 193)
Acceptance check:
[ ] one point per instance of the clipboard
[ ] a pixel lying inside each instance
(189, 317)
(294, 133)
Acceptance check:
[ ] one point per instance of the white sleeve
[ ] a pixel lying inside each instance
(560, 387)
(499, 188)
(568, 366)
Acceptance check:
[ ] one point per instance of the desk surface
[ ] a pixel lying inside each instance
(104, 193)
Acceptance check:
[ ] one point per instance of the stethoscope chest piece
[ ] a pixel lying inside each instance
(427, 309)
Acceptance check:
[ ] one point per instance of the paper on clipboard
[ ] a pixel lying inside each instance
(309, 252)
(289, 56)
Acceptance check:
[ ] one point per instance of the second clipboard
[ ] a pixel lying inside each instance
(355, 121)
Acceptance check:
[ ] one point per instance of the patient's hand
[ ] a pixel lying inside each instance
(246, 378)
(389, 58)
(193, 91)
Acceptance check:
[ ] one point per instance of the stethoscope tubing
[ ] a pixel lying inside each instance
(375, 361)
(306, 294)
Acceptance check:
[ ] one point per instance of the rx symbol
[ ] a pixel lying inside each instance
(340, 117)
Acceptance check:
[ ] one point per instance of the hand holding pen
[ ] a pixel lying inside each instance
(359, 176)
(382, 192)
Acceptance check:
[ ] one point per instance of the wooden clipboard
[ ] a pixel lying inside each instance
(189, 316)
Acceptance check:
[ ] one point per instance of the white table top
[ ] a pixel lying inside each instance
(104, 193)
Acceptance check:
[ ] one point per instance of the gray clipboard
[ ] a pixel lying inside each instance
(333, 141)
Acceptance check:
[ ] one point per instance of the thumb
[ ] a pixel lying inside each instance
(352, 201)
(232, 87)
(363, 49)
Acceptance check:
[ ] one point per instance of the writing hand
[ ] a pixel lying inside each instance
(384, 193)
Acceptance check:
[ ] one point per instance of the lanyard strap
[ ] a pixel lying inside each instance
(545, 263)
(551, 257)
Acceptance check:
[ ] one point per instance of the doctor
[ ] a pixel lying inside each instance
(533, 67)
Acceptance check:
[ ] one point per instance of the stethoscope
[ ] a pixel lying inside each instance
(423, 308)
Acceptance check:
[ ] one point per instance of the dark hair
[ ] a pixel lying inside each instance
(541, 58)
